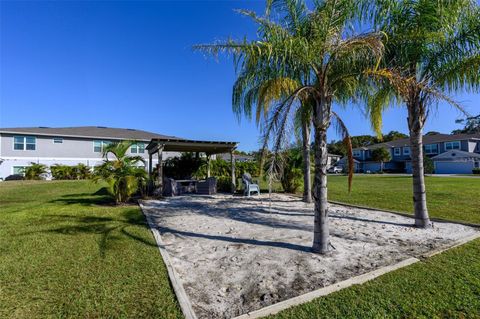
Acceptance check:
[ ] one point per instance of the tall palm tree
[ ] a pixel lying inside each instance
(325, 57)
(433, 50)
(263, 92)
(122, 173)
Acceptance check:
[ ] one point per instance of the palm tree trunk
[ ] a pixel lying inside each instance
(307, 186)
(320, 228)
(416, 120)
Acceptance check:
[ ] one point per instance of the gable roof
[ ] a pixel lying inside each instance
(100, 132)
(454, 154)
(427, 139)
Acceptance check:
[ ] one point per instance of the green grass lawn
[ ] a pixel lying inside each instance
(452, 198)
(65, 252)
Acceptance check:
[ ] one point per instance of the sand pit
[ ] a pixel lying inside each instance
(235, 255)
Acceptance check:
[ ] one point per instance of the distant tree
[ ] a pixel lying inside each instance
(381, 155)
(432, 133)
(428, 166)
(338, 147)
(472, 125)
(393, 135)
(35, 171)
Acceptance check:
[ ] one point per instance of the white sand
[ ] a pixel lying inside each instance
(236, 255)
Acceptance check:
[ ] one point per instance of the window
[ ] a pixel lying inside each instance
(24, 143)
(98, 145)
(455, 145)
(57, 140)
(431, 149)
(18, 170)
(357, 153)
(397, 151)
(406, 150)
(137, 148)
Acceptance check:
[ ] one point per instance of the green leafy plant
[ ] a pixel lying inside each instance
(428, 166)
(476, 171)
(123, 174)
(381, 155)
(35, 171)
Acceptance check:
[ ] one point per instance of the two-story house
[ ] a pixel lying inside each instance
(19, 147)
(451, 154)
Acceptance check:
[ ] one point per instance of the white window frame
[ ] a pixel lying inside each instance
(405, 148)
(395, 153)
(18, 166)
(24, 143)
(357, 153)
(452, 143)
(103, 143)
(58, 140)
(138, 147)
(428, 149)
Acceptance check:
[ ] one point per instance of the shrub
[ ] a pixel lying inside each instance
(224, 184)
(35, 171)
(122, 174)
(476, 171)
(80, 171)
(428, 166)
(182, 167)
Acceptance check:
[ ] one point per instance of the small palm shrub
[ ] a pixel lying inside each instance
(35, 171)
(80, 171)
(476, 171)
(123, 174)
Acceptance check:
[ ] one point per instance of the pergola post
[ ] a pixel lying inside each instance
(160, 168)
(234, 181)
(208, 165)
(150, 171)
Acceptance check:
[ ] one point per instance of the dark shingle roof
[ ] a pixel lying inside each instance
(427, 139)
(87, 131)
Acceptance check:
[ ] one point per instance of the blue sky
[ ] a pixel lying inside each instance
(130, 64)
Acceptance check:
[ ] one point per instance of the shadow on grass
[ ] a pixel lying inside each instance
(100, 198)
(110, 230)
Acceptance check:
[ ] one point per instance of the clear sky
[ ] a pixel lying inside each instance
(130, 64)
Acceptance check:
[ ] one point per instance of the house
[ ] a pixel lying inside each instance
(19, 147)
(344, 164)
(437, 146)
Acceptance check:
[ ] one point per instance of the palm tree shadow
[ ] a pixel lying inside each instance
(109, 229)
(100, 198)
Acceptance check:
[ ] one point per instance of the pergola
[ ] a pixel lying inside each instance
(160, 145)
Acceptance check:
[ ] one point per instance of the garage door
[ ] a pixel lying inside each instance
(453, 167)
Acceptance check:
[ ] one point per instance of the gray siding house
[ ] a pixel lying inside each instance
(19, 147)
(451, 154)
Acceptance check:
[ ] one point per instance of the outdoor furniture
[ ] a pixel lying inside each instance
(249, 186)
(170, 187)
(207, 187)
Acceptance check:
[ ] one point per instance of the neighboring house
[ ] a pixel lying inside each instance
(19, 147)
(332, 159)
(456, 162)
(237, 157)
(433, 147)
(344, 163)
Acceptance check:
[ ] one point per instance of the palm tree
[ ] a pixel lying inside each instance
(35, 171)
(433, 50)
(327, 60)
(123, 175)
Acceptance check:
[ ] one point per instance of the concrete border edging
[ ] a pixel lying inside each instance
(183, 300)
(455, 244)
(189, 313)
(295, 301)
